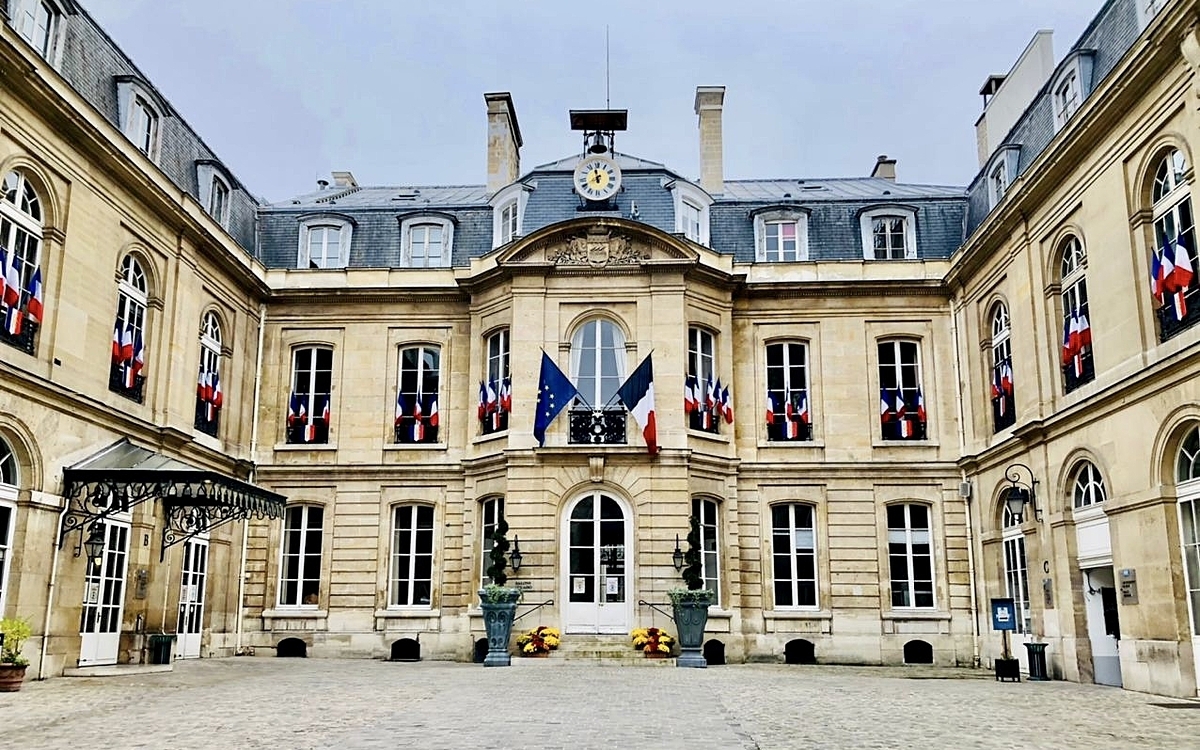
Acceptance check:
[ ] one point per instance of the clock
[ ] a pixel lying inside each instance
(597, 178)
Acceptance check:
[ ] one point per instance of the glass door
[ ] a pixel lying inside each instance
(191, 599)
(597, 576)
(104, 598)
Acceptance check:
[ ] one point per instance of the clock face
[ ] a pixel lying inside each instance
(597, 178)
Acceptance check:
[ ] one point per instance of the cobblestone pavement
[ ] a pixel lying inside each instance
(343, 704)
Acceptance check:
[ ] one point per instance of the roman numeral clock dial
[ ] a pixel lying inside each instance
(597, 178)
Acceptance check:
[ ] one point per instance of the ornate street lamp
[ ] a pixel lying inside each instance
(515, 557)
(95, 544)
(1021, 493)
(677, 555)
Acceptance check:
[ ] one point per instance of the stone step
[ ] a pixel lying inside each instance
(599, 650)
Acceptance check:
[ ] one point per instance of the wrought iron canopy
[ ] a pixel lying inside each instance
(195, 500)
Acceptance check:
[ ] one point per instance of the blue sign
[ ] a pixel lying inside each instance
(1004, 614)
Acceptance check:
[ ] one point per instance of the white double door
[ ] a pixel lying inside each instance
(192, 585)
(104, 597)
(597, 574)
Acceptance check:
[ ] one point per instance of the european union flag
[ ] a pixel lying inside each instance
(555, 391)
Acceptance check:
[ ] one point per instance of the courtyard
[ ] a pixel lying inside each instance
(332, 703)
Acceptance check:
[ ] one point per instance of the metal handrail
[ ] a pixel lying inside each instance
(644, 603)
(535, 609)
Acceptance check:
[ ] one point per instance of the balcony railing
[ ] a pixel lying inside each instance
(1071, 381)
(203, 423)
(601, 426)
(1168, 326)
(23, 340)
(116, 383)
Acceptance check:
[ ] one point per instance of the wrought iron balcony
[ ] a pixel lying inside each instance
(603, 426)
(1072, 381)
(116, 383)
(1168, 326)
(23, 340)
(203, 423)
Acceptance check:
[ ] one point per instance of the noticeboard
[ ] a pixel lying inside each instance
(1004, 614)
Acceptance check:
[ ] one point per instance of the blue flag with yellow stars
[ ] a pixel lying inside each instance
(555, 391)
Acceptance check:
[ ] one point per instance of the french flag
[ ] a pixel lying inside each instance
(1075, 337)
(127, 343)
(217, 400)
(433, 413)
(481, 410)
(637, 393)
(12, 279)
(770, 408)
(792, 428)
(136, 362)
(920, 407)
(400, 408)
(116, 344)
(885, 406)
(906, 428)
(506, 395)
(418, 429)
(3, 275)
(12, 321)
(295, 410)
(727, 404)
(34, 306)
(1181, 278)
(690, 386)
(998, 390)
(802, 412)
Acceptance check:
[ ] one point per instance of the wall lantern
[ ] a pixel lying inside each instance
(515, 556)
(95, 544)
(677, 555)
(1021, 493)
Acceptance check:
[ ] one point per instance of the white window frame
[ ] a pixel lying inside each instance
(998, 182)
(762, 219)
(409, 557)
(514, 198)
(409, 223)
(908, 536)
(1001, 172)
(694, 196)
(421, 373)
(782, 374)
(10, 479)
(1066, 98)
(308, 377)
(210, 176)
(708, 515)
(309, 225)
(866, 224)
(1087, 487)
(24, 19)
(1071, 85)
(21, 228)
(210, 345)
(491, 510)
(305, 527)
(597, 398)
(794, 576)
(1016, 570)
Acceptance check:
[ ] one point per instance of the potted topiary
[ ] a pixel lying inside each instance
(14, 632)
(498, 602)
(690, 603)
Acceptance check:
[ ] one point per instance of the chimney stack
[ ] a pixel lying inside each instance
(504, 141)
(344, 179)
(710, 100)
(885, 168)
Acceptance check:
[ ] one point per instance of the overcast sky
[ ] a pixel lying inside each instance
(286, 90)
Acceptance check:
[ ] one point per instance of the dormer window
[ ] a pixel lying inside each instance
(324, 242)
(143, 126)
(508, 222)
(213, 185)
(781, 235)
(1066, 97)
(218, 200)
(426, 241)
(889, 233)
(1147, 10)
(37, 22)
(140, 112)
(1001, 171)
(1071, 85)
(998, 182)
(508, 211)
(691, 211)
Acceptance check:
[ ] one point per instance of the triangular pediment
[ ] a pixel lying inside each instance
(598, 244)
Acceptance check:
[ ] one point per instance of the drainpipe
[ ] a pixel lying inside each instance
(258, 359)
(41, 675)
(962, 447)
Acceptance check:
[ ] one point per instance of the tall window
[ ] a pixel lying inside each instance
(1187, 482)
(1077, 364)
(509, 216)
(703, 400)
(425, 246)
(1016, 574)
(789, 412)
(324, 246)
(300, 565)
(495, 398)
(1087, 489)
(998, 182)
(794, 555)
(35, 21)
(901, 401)
(20, 248)
(412, 556)
(910, 555)
(691, 215)
(1174, 262)
(127, 374)
(887, 238)
(491, 511)
(1003, 411)
(417, 415)
(309, 404)
(8, 497)
(1066, 97)
(218, 200)
(210, 392)
(143, 126)
(599, 349)
(782, 240)
(706, 512)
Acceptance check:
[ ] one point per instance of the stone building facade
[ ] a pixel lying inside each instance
(848, 375)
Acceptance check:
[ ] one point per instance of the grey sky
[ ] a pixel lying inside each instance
(286, 91)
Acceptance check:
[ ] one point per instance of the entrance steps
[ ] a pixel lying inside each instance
(116, 670)
(595, 650)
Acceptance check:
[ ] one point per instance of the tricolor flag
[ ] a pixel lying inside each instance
(116, 344)
(998, 390)
(127, 343)
(802, 410)
(506, 394)
(296, 410)
(136, 362)
(481, 411)
(906, 428)
(324, 409)
(12, 279)
(770, 408)
(400, 408)
(1067, 351)
(690, 386)
(920, 406)
(218, 397)
(885, 406)
(791, 427)
(493, 400)
(637, 394)
(727, 405)
(1181, 278)
(12, 321)
(201, 381)
(1156, 275)
(3, 274)
(34, 306)
(418, 428)
(433, 413)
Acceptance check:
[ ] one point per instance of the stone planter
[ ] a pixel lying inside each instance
(499, 606)
(691, 615)
(11, 677)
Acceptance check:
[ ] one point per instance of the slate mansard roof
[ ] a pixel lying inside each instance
(833, 206)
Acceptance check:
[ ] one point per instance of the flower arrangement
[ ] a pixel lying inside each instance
(540, 640)
(652, 640)
(15, 631)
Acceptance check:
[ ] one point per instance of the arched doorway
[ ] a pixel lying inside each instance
(596, 577)
(1187, 483)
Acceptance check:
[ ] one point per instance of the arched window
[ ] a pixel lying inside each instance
(598, 369)
(1088, 486)
(1004, 412)
(210, 393)
(1173, 263)
(1187, 477)
(706, 513)
(1016, 572)
(1187, 466)
(127, 374)
(417, 415)
(8, 466)
(794, 555)
(1077, 364)
(491, 511)
(20, 256)
(8, 511)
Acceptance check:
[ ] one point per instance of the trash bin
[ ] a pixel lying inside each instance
(1037, 661)
(161, 648)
